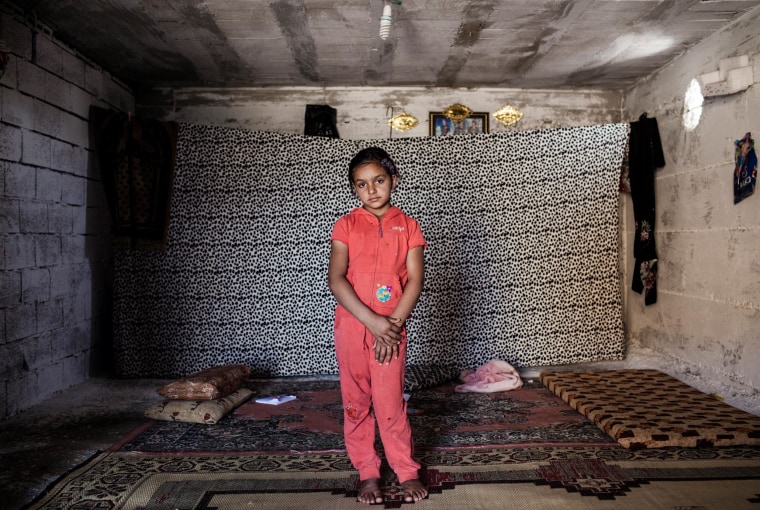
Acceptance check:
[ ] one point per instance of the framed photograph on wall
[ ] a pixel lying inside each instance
(475, 124)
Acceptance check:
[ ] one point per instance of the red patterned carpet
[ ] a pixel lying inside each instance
(506, 450)
(313, 422)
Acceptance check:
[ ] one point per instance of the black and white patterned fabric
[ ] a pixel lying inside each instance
(522, 262)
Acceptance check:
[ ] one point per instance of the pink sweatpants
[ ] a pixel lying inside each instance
(372, 392)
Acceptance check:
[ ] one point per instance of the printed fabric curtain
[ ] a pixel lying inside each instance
(522, 262)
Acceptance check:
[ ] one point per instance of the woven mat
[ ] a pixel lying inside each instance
(650, 409)
(529, 478)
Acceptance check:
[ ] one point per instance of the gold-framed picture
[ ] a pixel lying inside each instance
(441, 125)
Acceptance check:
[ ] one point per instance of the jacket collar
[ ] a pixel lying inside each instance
(393, 211)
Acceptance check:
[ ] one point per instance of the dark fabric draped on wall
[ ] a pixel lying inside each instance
(321, 120)
(136, 158)
(522, 263)
(645, 156)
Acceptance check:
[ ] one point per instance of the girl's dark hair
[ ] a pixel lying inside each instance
(372, 155)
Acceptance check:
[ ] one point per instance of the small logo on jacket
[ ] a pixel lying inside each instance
(383, 293)
(397, 227)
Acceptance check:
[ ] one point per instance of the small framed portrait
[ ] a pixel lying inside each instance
(475, 124)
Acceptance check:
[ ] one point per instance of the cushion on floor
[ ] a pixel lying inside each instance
(650, 409)
(420, 377)
(209, 384)
(198, 411)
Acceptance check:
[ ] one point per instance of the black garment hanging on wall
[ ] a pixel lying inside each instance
(644, 156)
(321, 120)
(136, 157)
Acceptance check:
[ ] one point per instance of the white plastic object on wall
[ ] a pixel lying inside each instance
(733, 75)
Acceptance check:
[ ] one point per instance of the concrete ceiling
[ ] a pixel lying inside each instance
(603, 44)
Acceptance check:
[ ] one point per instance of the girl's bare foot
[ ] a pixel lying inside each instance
(414, 490)
(369, 492)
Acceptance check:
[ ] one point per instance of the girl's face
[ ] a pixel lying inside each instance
(373, 185)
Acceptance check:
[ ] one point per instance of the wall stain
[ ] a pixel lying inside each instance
(525, 64)
(649, 338)
(731, 357)
(731, 246)
(129, 37)
(707, 216)
(291, 17)
(662, 11)
(228, 61)
(475, 18)
(468, 33)
(378, 71)
(667, 216)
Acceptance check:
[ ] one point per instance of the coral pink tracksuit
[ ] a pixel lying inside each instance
(377, 253)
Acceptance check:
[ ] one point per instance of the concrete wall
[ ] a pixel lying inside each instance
(54, 229)
(705, 327)
(363, 113)
(54, 226)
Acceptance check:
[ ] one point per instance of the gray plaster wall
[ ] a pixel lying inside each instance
(363, 113)
(705, 327)
(54, 229)
(55, 246)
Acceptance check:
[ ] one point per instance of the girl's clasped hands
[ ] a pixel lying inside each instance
(387, 339)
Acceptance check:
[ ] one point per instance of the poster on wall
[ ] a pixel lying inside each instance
(745, 171)
(441, 125)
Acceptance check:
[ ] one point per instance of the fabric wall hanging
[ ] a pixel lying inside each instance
(136, 158)
(522, 263)
(745, 171)
(644, 157)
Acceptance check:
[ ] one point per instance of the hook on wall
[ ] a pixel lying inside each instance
(5, 57)
(389, 110)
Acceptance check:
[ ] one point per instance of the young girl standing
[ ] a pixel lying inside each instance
(376, 273)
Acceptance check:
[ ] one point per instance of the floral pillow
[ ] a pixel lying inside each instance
(214, 382)
(198, 411)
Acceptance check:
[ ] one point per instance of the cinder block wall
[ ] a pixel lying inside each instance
(705, 326)
(55, 245)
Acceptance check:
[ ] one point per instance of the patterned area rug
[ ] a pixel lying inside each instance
(314, 421)
(650, 409)
(528, 477)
